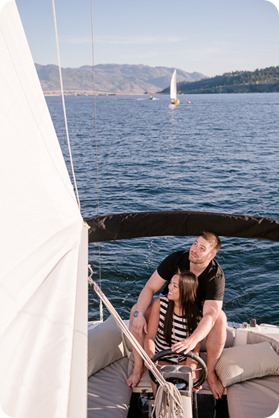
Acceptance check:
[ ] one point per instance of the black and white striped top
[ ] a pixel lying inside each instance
(180, 330)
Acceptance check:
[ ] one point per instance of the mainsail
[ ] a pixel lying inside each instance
(43, 276)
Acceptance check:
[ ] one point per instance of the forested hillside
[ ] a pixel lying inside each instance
(263, 80)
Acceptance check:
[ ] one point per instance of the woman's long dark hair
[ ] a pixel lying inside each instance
(188, 284)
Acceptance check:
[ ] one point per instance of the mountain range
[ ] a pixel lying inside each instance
(111, 79)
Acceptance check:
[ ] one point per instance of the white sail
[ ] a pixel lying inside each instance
(43, 275)
(173, 88)
(173, 92)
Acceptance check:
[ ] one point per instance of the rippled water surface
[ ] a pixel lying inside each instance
(219, 153)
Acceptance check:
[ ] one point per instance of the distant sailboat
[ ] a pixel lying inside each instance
(173, 91)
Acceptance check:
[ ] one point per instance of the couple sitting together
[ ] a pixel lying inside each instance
(188, 310)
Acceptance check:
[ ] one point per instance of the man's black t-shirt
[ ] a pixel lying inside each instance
(211, 280)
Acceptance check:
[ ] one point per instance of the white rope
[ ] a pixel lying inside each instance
(168, 397)
(97, 152)
(127, 332)
(168, 403)
(63, 104)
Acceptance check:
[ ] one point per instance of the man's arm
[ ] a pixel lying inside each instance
(152, 286)
(211, 310)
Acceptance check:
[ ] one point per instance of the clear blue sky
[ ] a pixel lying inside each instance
(207, 36)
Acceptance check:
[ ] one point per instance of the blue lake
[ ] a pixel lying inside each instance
(218, 153)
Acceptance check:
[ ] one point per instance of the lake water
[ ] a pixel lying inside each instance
(219, 153)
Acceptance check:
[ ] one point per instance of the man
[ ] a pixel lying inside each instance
(200, 261)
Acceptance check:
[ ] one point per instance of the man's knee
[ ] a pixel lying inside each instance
(221, 320)
(219, 328)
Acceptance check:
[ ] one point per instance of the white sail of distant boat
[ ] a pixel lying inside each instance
(43, 276)
(173, 91)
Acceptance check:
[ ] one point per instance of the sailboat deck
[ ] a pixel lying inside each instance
(108, 392)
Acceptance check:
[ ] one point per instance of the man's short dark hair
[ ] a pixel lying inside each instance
(213, 239)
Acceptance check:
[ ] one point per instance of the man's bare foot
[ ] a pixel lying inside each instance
(134, 378)
(215, 385)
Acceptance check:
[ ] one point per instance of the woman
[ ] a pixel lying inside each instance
(174, 317)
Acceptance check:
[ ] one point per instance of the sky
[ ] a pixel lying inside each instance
(206, 36)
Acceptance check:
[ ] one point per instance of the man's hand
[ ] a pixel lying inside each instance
(184, 346)
(139, 326)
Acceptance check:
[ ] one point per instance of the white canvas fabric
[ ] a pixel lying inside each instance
(43, 275)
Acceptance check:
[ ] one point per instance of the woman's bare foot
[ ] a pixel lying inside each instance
(215, 385)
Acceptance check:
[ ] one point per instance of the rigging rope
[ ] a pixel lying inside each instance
(96, 149)
(66, 123)
(166, 406)
(168, 400)
(63, 104)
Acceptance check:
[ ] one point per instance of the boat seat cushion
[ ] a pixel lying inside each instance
(257, 398)
(254, 338)
(105, 345)
(244, 362)
(108, 393)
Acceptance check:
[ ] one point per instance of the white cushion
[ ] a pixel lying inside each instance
(108, 394)
(104, 345)
(255, 338)
(256, 398)
(245, 362)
